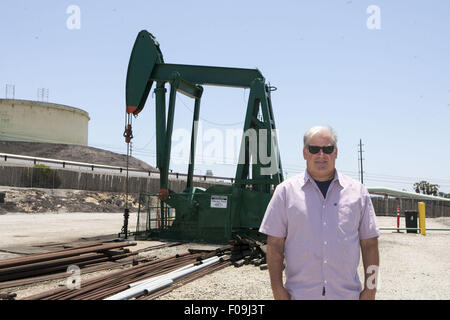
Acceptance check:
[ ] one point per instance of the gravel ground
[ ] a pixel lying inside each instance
(412, 266)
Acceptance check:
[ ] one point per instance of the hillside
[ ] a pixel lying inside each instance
(71, 153)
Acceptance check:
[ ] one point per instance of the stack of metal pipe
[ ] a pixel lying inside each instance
(153, 279)
(247, 251)
(114, 283)
(51, 262)
(155, 283)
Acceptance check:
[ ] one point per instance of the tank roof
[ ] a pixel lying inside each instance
(45, 105)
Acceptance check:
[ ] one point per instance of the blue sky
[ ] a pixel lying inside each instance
(389, 87)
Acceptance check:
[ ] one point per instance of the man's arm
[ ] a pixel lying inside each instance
(275, 258)
(371, 262)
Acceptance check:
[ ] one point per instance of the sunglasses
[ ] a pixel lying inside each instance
(325, 149)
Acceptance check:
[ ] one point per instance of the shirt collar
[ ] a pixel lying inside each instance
(337, 177)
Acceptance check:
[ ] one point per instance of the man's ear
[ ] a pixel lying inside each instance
(304, 153)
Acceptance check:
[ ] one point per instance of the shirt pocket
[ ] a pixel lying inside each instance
(348, 220)
(297, 217)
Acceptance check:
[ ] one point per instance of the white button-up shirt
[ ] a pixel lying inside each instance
(322, 248)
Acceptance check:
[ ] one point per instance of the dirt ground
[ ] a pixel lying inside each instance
(40, 200)
(21, 232)
(412, 266)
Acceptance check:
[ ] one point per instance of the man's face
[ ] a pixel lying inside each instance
(320, 166)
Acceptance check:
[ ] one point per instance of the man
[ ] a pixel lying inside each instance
(318, 222)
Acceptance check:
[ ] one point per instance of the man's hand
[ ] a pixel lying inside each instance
(371, 263)
(281, 294)
(275, 256)
(367, 294)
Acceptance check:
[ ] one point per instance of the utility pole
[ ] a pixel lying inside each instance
(360, 163)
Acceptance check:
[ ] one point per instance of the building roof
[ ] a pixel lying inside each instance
(403, 194)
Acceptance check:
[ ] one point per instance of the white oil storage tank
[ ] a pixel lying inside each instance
(38, 121)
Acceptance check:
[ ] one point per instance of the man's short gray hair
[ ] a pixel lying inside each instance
(319, 129)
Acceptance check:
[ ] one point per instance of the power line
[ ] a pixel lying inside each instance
(294, 168)
(209, 121)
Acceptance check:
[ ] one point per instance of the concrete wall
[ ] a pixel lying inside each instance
(36, 121)
(387, 206)
(84, 180)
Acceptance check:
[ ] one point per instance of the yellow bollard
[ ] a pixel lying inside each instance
(421, 209)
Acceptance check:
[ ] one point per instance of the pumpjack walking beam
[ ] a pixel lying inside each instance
(147, 66)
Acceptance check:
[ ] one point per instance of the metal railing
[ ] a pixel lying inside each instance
(92, 166)
(204, 223)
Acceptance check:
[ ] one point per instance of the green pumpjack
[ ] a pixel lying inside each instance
(221, 212)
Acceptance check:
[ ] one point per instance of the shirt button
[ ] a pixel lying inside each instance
(325, 282)
(325, 243)
(324, 223)
(324, 261)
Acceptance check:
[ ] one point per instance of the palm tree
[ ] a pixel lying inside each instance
(426, 188)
